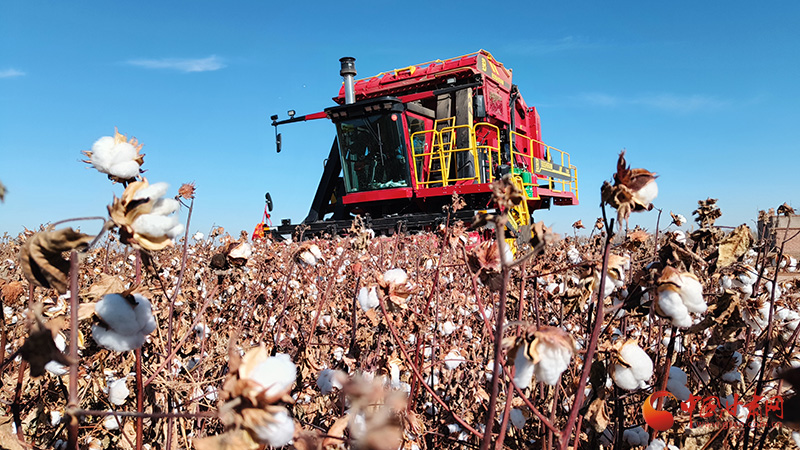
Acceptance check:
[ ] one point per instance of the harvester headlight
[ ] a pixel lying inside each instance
(291, 113)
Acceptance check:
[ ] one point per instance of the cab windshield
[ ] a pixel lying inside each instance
(373, 153)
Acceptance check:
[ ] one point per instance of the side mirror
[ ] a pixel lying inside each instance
(278, 142)
(269, 201)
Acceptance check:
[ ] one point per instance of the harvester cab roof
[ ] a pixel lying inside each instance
(408, 139)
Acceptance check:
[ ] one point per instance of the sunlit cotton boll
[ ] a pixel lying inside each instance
(277, 431)
(636, 372)
(678, 295)
(453, 359)
(118, 391)
(368, 298)
(311, 255)
(546, 357)
(275, 376)
(114, 159)
(636, 437)
(112, 423)
(126, 323)
(395, 276)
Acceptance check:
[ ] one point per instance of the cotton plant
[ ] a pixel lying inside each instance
(116, 156)
(545, 353)
(633, 367)
(145, 219)
(125, 321)
(253, 394)
(679, 295)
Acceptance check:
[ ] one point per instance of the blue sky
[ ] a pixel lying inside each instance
(703, 93)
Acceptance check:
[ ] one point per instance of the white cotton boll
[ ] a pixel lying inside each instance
(118, 391)
(116, 342)
(753, 367)
(55, 418)
(447, 328)
(725, 282)
(453, 428)
(636, 437)
(647, 194)
(609, 286)
(453, 359)
(658, 444)
(692, 295)
(155, 190)
(554, 360)
(327, 381)
(517, 418)
(103, 146)
(732, 377)
(57, 368)
(676, 384)
(368, 298)
(670, 303)
(680, 236)
(796, 438)
(315, 251)
(124, 169)
(573, 255)
(144, 315)
(275, 375)
(165, 206)
(276, 432)
(243, 251)
(640, 370)
(198, 236)
(506, 255)
(358, 424)
(395, 276)
(155, 226)
(201, 331)
(111, 423)
(524, 370)
(117, 313)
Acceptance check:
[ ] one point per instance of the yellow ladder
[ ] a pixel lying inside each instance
(443, 139)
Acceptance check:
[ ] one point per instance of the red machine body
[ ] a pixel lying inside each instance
(409, 138)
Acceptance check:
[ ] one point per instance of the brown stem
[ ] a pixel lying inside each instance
(139, 400)
(589, 356)
(416, 372)
(72, 433)
(498, 342)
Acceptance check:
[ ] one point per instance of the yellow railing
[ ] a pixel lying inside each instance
(443, 147)
(561, 158)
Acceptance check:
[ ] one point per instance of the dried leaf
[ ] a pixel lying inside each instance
(8, 439)
(39, 349)
(2, 192)
(230, 440)
(336, 431)
(598, 415)
(734, 246)
(41, 257)
(106, 284)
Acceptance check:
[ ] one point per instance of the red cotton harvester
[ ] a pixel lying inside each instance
(407, 139)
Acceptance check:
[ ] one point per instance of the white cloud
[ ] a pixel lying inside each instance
(663, 101)
(208, 64)
(11, 73)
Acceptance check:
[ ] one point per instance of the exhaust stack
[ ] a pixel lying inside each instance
(348, 72)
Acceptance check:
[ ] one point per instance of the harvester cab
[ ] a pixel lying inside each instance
(408, 139)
